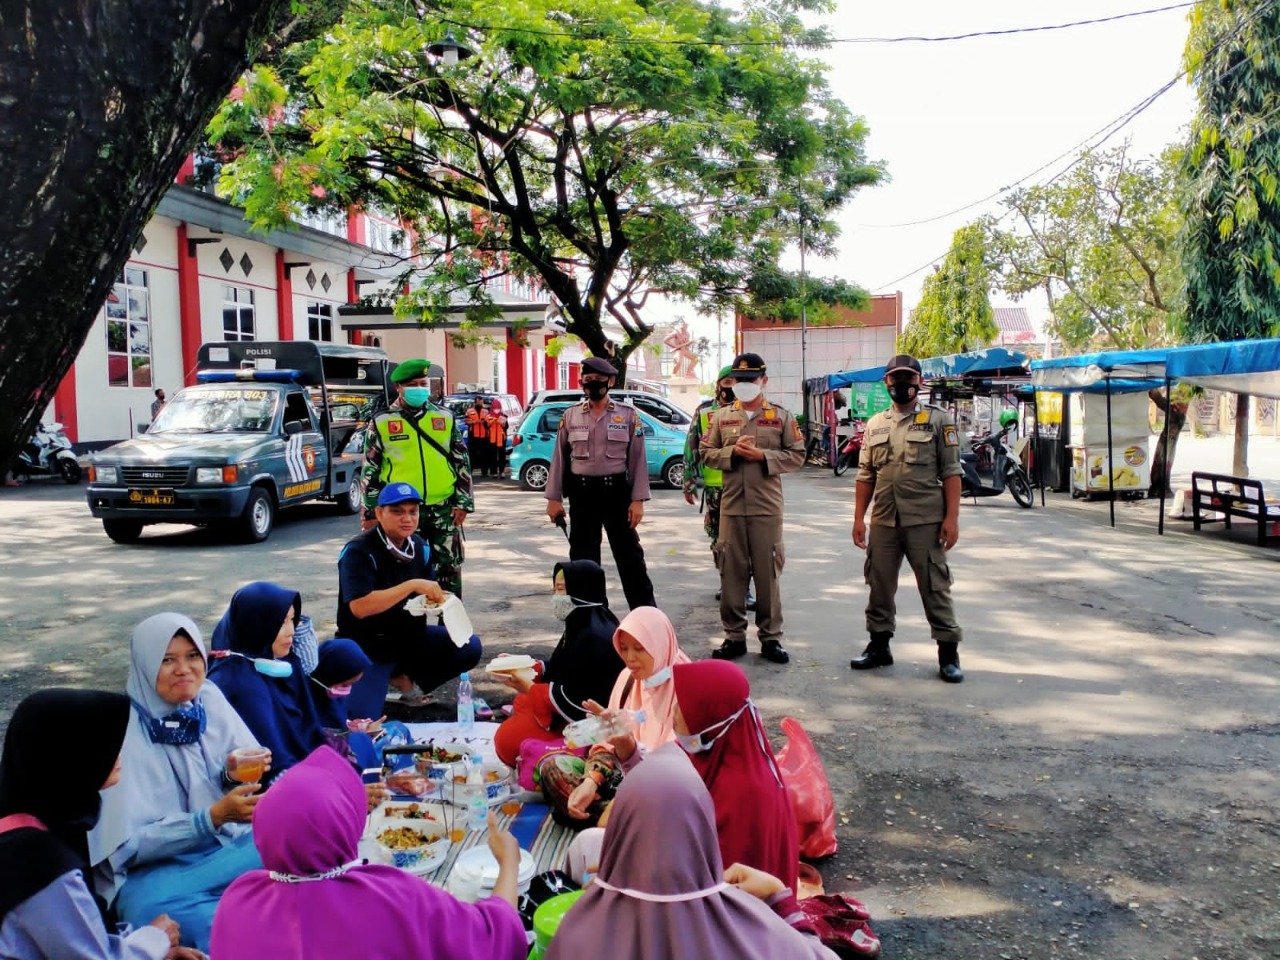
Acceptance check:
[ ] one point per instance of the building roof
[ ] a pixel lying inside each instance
(1014, 325)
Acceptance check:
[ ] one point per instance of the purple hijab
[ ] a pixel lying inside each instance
(661, 840)
(309, 823)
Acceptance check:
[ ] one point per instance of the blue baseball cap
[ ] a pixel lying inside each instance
(398, 493)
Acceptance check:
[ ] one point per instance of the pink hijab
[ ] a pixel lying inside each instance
(660, 892)
(653, 631)
(314, 902)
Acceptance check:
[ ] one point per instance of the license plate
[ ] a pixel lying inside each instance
(155, 497)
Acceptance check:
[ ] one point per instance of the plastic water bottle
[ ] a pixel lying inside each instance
(477, 797)
(466, 706)
(597, 729)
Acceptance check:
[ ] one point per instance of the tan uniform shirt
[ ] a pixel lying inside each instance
(906, 456)
(604, 446)
(752, 488)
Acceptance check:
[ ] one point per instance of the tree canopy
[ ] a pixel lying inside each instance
(954, 313)
(603, 150)
(1101, 243)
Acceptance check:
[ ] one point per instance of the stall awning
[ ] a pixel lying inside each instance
(1128, 371)
(995, 362)
(1245, 366)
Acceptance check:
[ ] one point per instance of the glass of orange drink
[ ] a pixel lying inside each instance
(247, 764)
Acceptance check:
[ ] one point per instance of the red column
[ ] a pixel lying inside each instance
(188, 305)
(552, 368)
(284, 298)
(575, 372)
(64, 405)
(187, 170)
(515, 368)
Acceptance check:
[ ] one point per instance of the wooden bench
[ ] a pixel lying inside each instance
(1232, 497)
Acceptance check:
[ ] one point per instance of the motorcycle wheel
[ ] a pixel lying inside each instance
(1020, 487)
(841, 463)
(69, 470)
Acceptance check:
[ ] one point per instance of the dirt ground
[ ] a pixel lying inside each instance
(1104, 784)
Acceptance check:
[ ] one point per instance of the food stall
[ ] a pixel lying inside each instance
(1123, 463)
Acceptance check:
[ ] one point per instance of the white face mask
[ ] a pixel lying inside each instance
(695, 742)
(562, 605)
(746, 391)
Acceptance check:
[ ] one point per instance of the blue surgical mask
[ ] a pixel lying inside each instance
(179, 728)
(700, 742)
(658, 678)
(416, 396)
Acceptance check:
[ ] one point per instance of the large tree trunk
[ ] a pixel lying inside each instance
(1240, 462)
(1162, 463)
(101, 100)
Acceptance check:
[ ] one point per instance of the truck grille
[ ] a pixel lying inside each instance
(154, 476)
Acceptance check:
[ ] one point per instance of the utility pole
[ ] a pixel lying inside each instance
(804, 336)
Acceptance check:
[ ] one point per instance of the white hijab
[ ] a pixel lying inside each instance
(162, 782)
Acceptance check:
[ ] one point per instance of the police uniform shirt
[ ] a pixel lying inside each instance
(600, 446)
(753, 488)
(906, 456)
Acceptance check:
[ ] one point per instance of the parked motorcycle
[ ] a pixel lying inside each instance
(993, 456)
(847, 455)
(49, 454)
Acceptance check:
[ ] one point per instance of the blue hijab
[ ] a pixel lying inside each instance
(339, 661)
(279, 711)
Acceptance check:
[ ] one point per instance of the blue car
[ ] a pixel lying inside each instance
(535, 439)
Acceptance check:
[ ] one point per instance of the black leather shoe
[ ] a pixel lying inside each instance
(949, 663)
(730, 650)
(751, 600)
(717, 594)
(875, 655)
(774, 652)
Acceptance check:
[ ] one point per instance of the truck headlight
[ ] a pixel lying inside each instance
(106, 475)
(208, 474)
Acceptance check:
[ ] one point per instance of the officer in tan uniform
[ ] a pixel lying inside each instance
(599, 463)
(753, 443)
(910, 462)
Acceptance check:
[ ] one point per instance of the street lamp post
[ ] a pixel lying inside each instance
(804, 337)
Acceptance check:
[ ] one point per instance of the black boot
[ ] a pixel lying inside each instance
(730, 650)
(949, 662)
(774, 652)
(876, 654)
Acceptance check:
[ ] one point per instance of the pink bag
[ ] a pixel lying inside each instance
(806, 781)
(532, 750)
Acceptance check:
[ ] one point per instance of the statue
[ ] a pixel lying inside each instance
(678, 341)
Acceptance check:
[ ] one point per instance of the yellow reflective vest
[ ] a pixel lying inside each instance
(408, 458)
(711, 477)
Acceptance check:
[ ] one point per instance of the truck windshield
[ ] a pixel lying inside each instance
(218, 410)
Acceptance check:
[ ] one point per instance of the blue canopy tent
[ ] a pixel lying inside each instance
(988, 364)
(1243, 366)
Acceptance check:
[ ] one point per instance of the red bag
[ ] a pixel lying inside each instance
(806, 781)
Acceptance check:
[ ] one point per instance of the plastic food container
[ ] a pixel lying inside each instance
(497, 784)
(438, 769)
(410, 783)
(475, 872)
(428, 853)
(547, 918)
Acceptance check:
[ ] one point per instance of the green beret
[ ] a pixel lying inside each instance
(410, 370)
(724, 372)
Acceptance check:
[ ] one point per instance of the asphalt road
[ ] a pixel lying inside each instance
(1104, 783)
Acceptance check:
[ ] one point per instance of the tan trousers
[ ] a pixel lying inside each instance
(750, 547)
(886, 547)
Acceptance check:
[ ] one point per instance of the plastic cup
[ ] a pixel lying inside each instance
(457, 834)
(247, 764)
(511, 806)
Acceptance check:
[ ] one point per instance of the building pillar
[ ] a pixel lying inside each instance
(515, 368)
(188, 305)
(552, 368)
(575, 377)
(64, 405)
(284, 299)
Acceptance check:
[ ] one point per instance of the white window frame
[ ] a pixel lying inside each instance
(131, 309)
(242, 301)
(319, 317)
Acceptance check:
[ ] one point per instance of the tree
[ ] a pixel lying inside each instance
(602, 149)
(1231, 242)
(101, 101)
(954, 313)
(1101, 243)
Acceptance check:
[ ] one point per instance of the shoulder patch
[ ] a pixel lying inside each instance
(922, 416)
(950, 437)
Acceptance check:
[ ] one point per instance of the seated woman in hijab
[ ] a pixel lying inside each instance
(716, 723)
(582, 667)
(279, 710)
(339, 666)
(662, 890)
(46, 909)
(578, 790)
(176, 831)
(316, 901)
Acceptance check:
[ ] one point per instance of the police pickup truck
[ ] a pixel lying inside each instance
(267, 425)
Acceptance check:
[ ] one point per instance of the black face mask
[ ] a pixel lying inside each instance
(595, 390)
(903, 393)
(724, 396)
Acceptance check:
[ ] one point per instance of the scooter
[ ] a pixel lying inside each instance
(993, 456)
(849, 451)
(48, 453)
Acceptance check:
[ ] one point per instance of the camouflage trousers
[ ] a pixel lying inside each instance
(711, 513)
(435, 525)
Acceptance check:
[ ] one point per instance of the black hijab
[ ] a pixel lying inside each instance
(584, 664)
(60, 748)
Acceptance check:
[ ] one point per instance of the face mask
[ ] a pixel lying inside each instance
(279, 669)
(903, 393)
(416, 396)
(746, 391)
(658, 679)
(562, 605)
(724, 396)
(694, 742)
(181, 727)
(405, 554)
(595, 390)
(338, 691)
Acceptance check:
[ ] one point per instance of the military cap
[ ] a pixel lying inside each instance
(748, 366)
(724, 372)
(410, 370)
(902, 363)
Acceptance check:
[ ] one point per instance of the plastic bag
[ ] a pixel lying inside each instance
(806, 781)
(305, 645)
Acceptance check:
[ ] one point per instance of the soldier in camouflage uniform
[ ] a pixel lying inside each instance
(418, 442)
